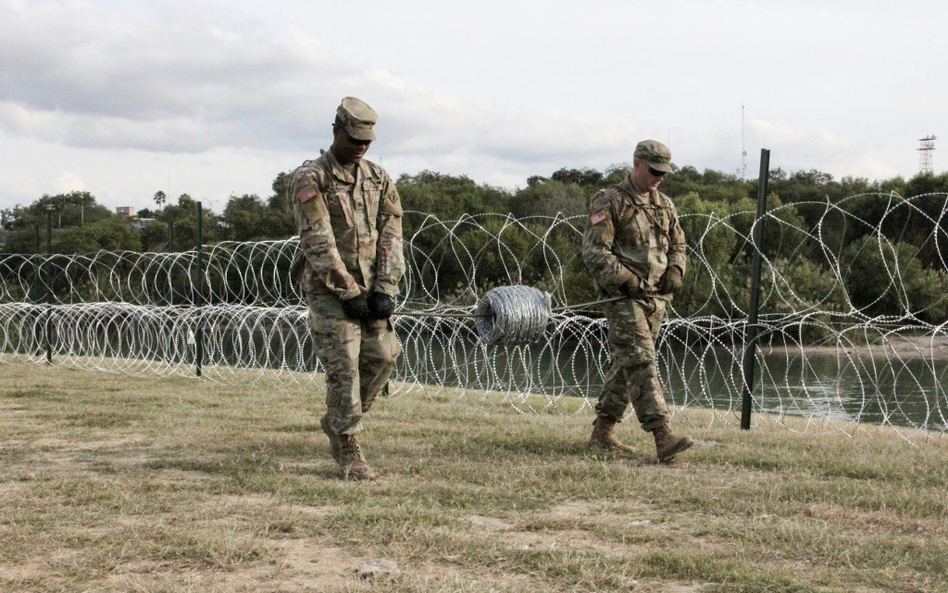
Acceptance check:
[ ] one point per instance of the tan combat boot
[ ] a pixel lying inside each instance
(603, 437)
(667, 445)
(333, 437)
(351, 461)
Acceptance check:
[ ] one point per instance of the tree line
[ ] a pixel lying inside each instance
(802, 200)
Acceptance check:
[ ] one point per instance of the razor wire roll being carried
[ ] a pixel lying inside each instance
(512, 315)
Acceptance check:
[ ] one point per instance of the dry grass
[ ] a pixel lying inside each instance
(111, 483)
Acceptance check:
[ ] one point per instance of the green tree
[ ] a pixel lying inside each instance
(112, 234)
(73, 208)
(12, 218)
(549, 198)
(183, 216)
(280, 186)
(449, 197)
(885, 277)
(581, 177)
(616, 174)
(155, 237)
(65, 211)
(249, 219)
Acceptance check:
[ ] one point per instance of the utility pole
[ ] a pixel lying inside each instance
(743, 170)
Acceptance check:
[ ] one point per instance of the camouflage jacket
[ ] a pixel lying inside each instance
(350, 228)
(628, 234)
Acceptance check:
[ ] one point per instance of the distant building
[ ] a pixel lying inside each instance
(139, 223)
(125, 211)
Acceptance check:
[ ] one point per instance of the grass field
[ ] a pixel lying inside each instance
(112, 483)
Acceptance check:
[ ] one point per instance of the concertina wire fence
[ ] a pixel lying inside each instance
(822, 362)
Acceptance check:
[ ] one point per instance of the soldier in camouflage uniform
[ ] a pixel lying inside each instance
(634, 246)
(349, 219)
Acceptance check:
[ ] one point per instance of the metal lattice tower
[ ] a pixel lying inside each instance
(925, 153)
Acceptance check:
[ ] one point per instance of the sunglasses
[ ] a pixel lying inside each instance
(357, 142)
(656, 172)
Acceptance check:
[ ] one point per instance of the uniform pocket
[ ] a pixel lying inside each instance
(339, 208)
(371, 193)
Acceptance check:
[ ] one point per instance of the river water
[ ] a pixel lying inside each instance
(879, 389)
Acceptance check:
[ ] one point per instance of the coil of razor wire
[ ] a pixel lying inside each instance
(136, 313)
(513, 315)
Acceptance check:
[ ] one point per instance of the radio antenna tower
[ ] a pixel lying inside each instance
(925, 153)
(743, 170)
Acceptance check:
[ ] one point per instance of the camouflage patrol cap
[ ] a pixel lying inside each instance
(357, 118)
(655, 154)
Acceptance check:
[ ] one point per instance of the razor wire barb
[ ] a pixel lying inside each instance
(828, 354)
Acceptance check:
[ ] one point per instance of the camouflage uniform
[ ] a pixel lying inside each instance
(350, 229)
(630, 239)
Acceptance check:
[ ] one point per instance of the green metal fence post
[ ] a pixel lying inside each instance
(199, 293)
(750, 330)
(49, 284)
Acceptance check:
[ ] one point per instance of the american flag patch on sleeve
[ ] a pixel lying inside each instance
(306, 194)
(597, 217)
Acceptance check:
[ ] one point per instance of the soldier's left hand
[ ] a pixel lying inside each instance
(670, 281)
(356, 307)
(381, 306)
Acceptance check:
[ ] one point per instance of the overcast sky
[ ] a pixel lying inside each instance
(123, 98)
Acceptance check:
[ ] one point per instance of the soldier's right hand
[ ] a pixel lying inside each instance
(356, 307)
(632, 287)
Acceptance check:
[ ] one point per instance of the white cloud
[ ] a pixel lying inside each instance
(17, 120)
(66, 181)
(124, 93)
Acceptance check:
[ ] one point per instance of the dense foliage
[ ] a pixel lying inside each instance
(717, 209)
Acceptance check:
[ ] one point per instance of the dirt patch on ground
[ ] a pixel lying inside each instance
(571, 525)
(297, 565)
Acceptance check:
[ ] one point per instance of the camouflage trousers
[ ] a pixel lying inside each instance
(633, 376)
(358, 358)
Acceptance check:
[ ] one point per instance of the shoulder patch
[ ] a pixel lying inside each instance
(306, 194)
(391, 204)
(598, 217)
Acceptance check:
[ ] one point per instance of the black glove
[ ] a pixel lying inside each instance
(632, 287)
(356, 307)
(670, 281)
(381, 306)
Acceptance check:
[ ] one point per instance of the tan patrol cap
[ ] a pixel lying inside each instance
(357, 118)
(655, 154)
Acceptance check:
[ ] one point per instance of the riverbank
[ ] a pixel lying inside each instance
(900, 346)
(117, 483)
